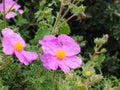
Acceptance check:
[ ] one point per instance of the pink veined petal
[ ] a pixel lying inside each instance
(20, 11)
(7, 47)
(13, 37)
(29, 56)
(1, 7)
(49, 62)
(47, 38)
(17, 38)
(69, 45)
(50, 44)
(64, 68)
(16, 6)
(21, 58)
(10, 15)
(50, 47)
(72, 62)
(7, 31)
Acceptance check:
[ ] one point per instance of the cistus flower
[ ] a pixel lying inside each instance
(60, 52)
(14, 44)
(10, 6)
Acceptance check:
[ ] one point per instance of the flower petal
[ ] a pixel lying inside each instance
(73, 62)
(7, 32)
(16, 6)
(20, 11)
(7, 47)
(64, 68)
(21, 58)
(10, 15)
(49, 44)
(49, 62)
(69, 45)
(47, 38)
(29, 56)
(13, 37)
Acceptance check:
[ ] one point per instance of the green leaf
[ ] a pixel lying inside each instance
(64, 30)
(101, 58)
(3, 87)
(116, 88)
(80, 87)
(42, 31)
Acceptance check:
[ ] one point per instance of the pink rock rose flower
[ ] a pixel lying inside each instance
(14, 44)
(10, 6)
(60, 52)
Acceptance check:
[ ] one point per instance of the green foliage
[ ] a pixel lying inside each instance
(100, 55)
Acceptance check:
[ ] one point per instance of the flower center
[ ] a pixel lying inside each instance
(60, 54)
(9, 9)
(18, 46)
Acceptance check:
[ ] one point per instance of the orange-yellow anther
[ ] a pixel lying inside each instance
(18, 46)
(60, 54)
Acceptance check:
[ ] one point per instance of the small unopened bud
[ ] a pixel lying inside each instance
(88, 71)
(103, 50)
(96, 78)
(105, 38)
(97, 41)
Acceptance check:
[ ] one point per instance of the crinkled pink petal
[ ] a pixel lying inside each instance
(1, 7)
(49, 62)
(29, 56)
(49, 44)
(69, 45)
(7, 32)
(20, 11)
(47, 38)
(14, 37)
(64, 68)
(50, 49)
(21, 58)
(72, 62)
(7, 47)
(16, 6)
(8, 5)
(10, 15)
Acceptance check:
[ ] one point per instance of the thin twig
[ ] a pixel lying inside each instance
(56, 29)
(66, 21)
(65, 13)
(96, 51)
(58, 17)
(4, 20)
(5, 63)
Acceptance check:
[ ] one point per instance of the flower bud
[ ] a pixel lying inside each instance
(103, 50)
(96, 78)
(97, 41)
(105, 38)
(88, 71)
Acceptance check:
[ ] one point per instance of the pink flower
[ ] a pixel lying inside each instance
(60, 52)
(10, 6)
(13, 43)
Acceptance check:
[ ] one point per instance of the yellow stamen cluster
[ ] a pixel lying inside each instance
(60, 54)
(18, 46)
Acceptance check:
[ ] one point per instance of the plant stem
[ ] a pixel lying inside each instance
(66, 20)
(5, 63)
(96, 51)
(54, 73)
(58, 18)
(56, 29)
(65, 13)
(4, 20)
